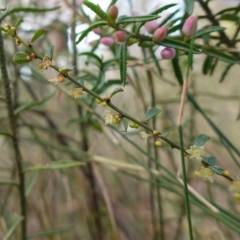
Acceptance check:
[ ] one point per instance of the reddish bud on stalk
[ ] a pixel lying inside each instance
(97, 31)
(160, 34)
(108, 41)
(151, 26)
(113, 12)
(190, 26)
(120, 36)
(168, 53)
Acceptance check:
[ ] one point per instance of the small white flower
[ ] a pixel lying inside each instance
(196, 152)
(76, 92)
(205, 173)
(144, 136)
(108, 117)
(235, 186)
(59, 79)
(47, 62)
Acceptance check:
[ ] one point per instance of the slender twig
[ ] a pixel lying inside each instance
(13, 127)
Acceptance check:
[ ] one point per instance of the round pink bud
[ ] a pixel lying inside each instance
(108, 41)
(113, 12)
(151, 26)
(120, 36)
(97, 31)
(160, 34)
(190, 26)
(168, 53)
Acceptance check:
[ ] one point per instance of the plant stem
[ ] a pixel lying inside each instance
(13, 127)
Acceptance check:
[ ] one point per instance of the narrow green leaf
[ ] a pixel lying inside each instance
(37, 34)
(167, 42)
(123, 125)
(200, 140)
(221, 55)
(123, 62)
(13, 228)
(20, 58)
(161, 9)
(189, 4)
(232, 9)
(137, 19)
(18, 22)
(151, 113)
(26, 106)
(177, 70)
(92, 55)
(49, 52)
(31, 182)
(56, 165)
(89, 29)
(33, 10)
(66, 70)
(146, 44)
(212, 161)
(96, 9)
(207, 30)
(8, 182)
(217, 169)
(51, 232)
(5, 133)
(115, 91)
(207, 64)
(225, 72)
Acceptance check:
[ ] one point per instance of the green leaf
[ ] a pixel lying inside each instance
(26, 106)
(167, 42)
(177, 70)
(123, 125)
(37, 34)
(5, 133)
(146, 44)
(49, 52)
(161, 9)
(8, 182)
(56, 165)
(31, 182)
(32, 10)
(66, 70)
(225, 72)
(51, 232)
(164, 134)
(189, 4)
(232, 9)
(123, 62)
(18, 22)
(96, 9)
(20, 58)
(212, 161)
(13, 228)
(208, 30)
(200, 140)
(207, 65)
(137, 19)
(151, 113)
(89, 29)
(115, 91)
(216, 169)
(221, 55)
(92, 55)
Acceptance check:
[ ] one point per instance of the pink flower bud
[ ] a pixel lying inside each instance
(160, 34)
(108, 41)
(120, 36)
(97, 31)
(190, 26)
(168, 53)
(151, 26)
(113, 12)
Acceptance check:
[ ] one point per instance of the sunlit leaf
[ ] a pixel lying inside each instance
(20, 58)
(37, 35)
(212, 161)
(137, 19)
(200, 140)
(97, 9)
(189, 4)
(18, 22)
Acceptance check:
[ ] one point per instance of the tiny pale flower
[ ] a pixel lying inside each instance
(205, 173)
(59, 79)
(144, 136)
(76, 92)
(235, 186)
(196, 152)
(237, 197)
(47, 62)
(108, 117)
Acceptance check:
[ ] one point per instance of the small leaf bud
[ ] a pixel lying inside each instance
(190, 26)
(113, 12)
(168, 53)
(160, 34)
(120, 36)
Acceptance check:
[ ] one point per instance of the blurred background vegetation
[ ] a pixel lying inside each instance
(114, 195)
